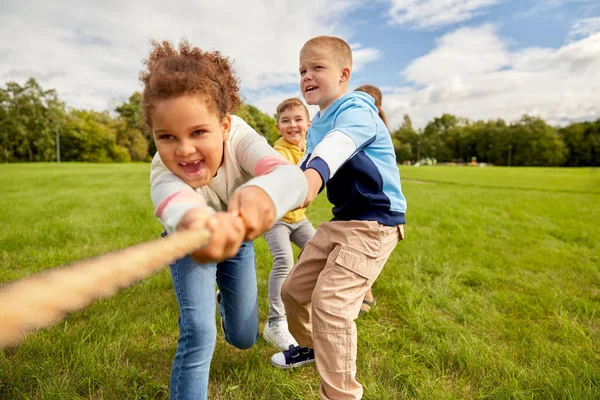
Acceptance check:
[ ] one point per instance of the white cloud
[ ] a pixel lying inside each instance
(555, 9)
(91, 52)
(362, 56)
(464, 52)
(584, 27)
(473, 74)
(430, 14)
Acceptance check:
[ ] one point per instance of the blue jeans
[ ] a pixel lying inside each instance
(195, 289)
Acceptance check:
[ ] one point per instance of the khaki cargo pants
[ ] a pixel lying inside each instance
(323, 293)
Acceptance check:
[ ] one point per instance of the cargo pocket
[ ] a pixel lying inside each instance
(346, 278)
(357, 262)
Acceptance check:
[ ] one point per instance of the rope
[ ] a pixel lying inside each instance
(44, 299)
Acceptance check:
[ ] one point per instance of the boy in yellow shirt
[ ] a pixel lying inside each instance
(292, 124)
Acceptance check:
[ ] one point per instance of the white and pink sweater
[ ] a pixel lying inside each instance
(248, 161)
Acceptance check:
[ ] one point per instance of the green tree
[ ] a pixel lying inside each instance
(582, 143)
(28, 119)
(406, 141)
(439, 136)
(90, 136)
(261, 122)
(532, 142)
(131, 133)
(485, 138)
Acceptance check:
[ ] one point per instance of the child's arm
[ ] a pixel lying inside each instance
(307, 151)
(171, 196)
(283, 183)
(179, 207)
(354, 128)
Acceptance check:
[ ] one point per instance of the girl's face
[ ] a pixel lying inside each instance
(189, 137)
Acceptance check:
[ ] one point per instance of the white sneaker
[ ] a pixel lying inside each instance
(277, 334)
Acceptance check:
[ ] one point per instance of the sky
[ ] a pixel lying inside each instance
(479, 59)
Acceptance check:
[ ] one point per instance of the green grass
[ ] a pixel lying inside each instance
(494, 294)
(568, 180)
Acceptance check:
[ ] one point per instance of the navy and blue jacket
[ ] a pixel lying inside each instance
(351, 148)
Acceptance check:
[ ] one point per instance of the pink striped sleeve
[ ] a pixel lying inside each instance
(178, 198)
(267, 164)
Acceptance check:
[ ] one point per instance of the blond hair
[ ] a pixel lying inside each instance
(337, 47)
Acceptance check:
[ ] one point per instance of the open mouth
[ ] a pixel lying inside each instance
(192, 167)
(310, 88)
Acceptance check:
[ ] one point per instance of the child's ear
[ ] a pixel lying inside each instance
(309, 122)
(345, 77)
(226, 127)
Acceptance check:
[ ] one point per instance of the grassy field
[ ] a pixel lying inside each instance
(494, 294)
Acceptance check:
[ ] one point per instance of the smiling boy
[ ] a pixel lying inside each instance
(349, 150)
(292, 124)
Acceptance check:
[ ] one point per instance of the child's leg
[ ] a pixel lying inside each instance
(298, 287)
(194, 286)
(361, 249)
(278, 240)
(303, 232)
(236, 278)
(368, 301)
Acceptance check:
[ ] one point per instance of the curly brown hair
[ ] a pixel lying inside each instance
(189, 70)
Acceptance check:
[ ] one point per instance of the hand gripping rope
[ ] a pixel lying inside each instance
(44, 299)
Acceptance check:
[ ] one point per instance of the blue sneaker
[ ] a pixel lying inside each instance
(294, 356)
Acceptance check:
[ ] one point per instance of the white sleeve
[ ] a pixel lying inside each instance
(283, 182)
(171, 196)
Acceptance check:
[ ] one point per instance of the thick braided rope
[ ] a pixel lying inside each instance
(44, 299)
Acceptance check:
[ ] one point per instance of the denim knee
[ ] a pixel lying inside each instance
(243, 340)
(198, 330)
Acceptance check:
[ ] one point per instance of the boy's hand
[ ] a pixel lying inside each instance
(227, 233)
(314, 180)
(256, 209)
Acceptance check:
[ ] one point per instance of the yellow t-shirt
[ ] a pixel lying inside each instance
(293, 154)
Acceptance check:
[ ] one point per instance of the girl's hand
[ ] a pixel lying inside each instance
(227, 230)
(256, 209)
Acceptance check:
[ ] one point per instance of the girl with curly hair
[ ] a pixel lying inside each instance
(211, 170)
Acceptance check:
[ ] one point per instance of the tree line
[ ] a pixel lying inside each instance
(529, 141)
(32, 118)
